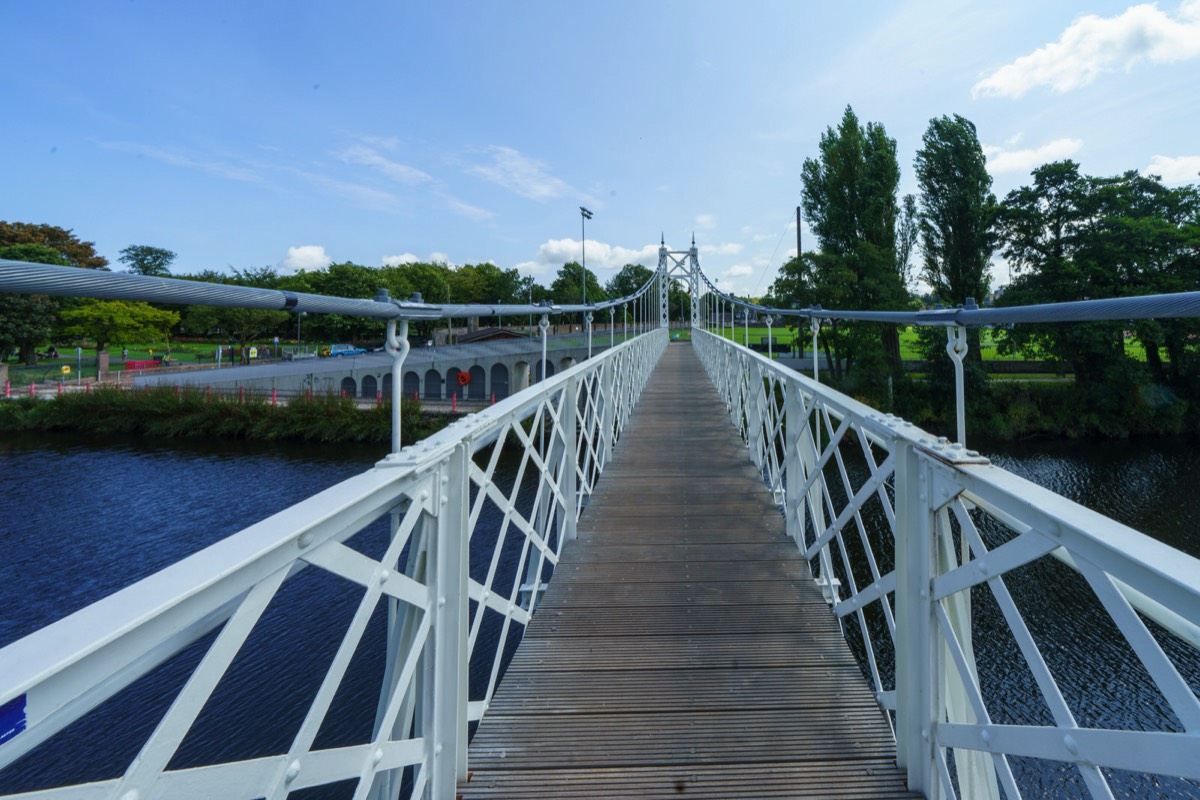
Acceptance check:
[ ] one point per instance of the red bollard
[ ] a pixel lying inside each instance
(493, 398)
(343, 392)
(87, 388)
(208, 393)
(454, 402)
(379, 398)
(31, 389)
(308, 393)
(241, 394)
(60, 389)
(416, 397)
(178, 391)
(274, 396)
(147, 392)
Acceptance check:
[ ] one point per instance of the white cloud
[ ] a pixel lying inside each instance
(402, 173)
(1178, 169)
(441, 258)
(474, 213)
(552, 254)
(1000, 160)
(738, 271)
(706, 221)
(212, 164)
(307, 256)
(1093, 45)
(520, 174)
(727, 249)
(396, 261)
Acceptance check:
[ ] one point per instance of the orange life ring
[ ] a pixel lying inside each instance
(464, 378)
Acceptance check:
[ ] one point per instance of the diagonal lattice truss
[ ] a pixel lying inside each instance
(408, 587)
(956, 583)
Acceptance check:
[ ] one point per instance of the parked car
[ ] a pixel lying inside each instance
(339, 350)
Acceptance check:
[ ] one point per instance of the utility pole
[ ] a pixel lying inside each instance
(799, 249)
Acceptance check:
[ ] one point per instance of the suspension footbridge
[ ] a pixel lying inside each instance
(617, 588)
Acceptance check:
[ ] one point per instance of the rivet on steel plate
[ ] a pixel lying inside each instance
(292, 771)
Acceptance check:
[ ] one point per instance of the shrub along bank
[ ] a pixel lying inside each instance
(1015, 410)
(194, 414)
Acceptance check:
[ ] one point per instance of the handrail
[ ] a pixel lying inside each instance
(905, 532)
(435, 577)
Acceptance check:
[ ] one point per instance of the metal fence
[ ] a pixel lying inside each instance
(956, 582)
(454, 595)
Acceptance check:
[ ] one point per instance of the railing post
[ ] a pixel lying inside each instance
(445, 706)
(610, 389)
(568, 473)
(793, 471)
(754, 416)
(918, 680)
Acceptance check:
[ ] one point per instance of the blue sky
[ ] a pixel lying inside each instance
(290, 134)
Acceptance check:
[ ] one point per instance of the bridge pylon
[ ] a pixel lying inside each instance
(680, 265)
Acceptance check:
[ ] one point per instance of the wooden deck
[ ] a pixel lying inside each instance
(682, 650)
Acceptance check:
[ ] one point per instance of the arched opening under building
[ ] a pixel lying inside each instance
(500, 380)
(433, 385)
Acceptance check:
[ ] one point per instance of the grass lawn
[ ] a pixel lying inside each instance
(50, 369)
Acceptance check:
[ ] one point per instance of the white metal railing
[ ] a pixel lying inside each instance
(435, 578)
(944, 571)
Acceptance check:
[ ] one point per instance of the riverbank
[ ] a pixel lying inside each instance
(190, 413)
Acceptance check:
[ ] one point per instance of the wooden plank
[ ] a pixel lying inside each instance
(682, 647)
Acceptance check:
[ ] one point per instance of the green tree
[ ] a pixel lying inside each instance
(628, 280)
(958, 210)
(849, 199)
(27, 320)
(109, 321)
(567, 288)
(241, 325)
(1073, 237)
(143, 259)
(78, 253)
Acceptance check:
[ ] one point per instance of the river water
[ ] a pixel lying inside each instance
(81, 518)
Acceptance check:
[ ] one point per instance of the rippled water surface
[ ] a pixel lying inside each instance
(80, 519)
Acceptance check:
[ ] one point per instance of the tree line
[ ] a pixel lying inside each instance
(1065, 236)
(27, 322)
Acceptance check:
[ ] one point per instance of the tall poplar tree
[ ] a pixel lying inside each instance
(957, 212)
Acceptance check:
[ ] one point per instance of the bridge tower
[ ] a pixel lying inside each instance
(683, 265)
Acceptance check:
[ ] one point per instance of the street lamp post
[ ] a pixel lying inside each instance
(584, 216)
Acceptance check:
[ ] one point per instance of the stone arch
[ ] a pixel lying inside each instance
(537, 369)
(411, 386)
(500, 380)
(387, 386)
(349, 387)
(433, 385)
(370, 387)
(477, 388)
(566, 363)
